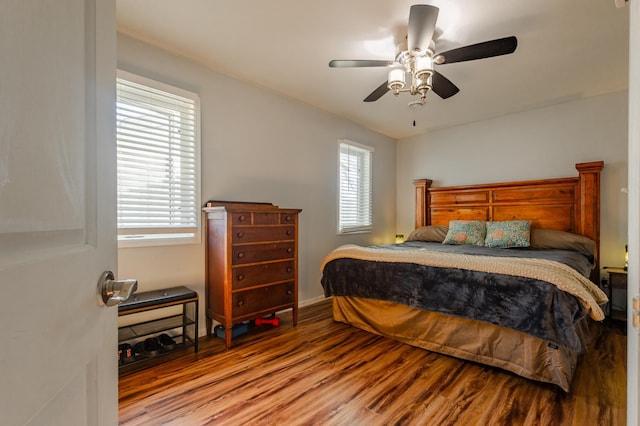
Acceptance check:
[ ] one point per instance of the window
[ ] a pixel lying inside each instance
(354, 205)
(158, 161)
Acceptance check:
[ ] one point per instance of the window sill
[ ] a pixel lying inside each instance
(360, 231)
(150, 240)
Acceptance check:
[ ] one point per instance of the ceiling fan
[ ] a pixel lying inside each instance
(418, 59)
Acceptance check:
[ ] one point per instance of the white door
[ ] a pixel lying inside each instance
(57, 212)
(633, 344)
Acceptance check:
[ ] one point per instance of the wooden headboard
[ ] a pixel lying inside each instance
(565, 204)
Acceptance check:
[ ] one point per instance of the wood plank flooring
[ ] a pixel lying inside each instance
(327, 373)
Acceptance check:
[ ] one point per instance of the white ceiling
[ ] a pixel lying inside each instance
(567, 49)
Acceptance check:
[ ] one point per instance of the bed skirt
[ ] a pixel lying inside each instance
(477, 341)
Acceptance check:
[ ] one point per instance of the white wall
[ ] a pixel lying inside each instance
(257, 146)
(537, 144)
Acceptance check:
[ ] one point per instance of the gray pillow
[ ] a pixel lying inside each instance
(552, 239)
(432, 233)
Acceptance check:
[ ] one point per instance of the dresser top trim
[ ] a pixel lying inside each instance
(240, 206)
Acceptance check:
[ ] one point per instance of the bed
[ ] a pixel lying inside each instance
(523, 306)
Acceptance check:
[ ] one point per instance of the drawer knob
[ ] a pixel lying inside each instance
(242, 218)
(240, 234)
(289, 232)
(287, 218)
(289, 269)
(289, 250)
(240, 277)
(240, 255)
(289, 292)
(240, 303)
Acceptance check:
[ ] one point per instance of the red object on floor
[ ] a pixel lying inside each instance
(273, 321)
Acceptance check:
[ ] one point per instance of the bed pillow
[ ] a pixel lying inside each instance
(507, 234)
(466, 232)
(432, 233)
(552, 239)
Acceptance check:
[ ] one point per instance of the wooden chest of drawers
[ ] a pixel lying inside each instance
(252, 262)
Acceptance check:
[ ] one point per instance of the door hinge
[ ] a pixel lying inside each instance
(636, 311)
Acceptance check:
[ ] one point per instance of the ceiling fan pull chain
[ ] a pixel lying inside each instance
(415, 105)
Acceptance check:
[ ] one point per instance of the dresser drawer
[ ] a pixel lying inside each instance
(287, 218)
(261, 299)
(266, 218)
(241, 218)
(255, 218)
(252, 253)
(254, 234)
(247, 276)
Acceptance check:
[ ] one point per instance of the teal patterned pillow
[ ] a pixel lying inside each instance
(512, 233)
(469, 232)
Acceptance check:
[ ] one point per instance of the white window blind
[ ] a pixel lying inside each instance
(157, 160)
(355, 201)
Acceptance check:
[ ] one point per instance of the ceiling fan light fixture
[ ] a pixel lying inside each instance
(423, 86)
(423, 67)
(396, 80)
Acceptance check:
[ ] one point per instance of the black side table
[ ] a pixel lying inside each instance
(617, 286)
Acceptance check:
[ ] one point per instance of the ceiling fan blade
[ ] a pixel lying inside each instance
(487, 49)
(442, 86)
(347, 63)
(422, 24)
(377, 94)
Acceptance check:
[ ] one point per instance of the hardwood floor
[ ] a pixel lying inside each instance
(327, 373)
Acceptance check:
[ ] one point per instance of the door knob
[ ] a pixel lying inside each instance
(115, 292)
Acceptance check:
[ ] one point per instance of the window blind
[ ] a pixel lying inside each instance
(355, 203)
(157, 160)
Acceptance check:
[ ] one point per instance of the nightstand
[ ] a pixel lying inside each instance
(617, 292)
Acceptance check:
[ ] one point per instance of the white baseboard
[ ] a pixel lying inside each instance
(311, 301)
